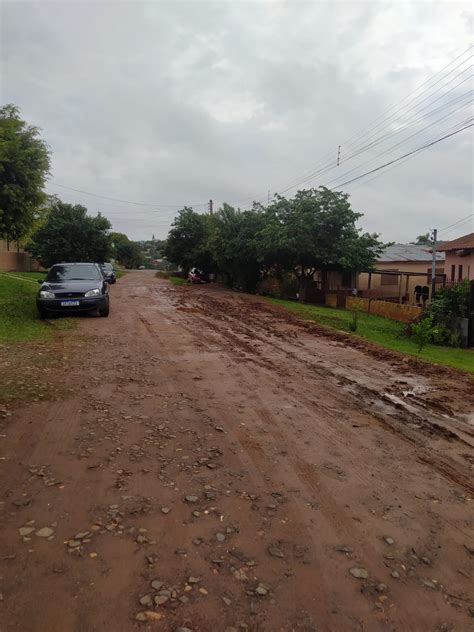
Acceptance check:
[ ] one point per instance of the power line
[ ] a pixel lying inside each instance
(382, 173)
(381, 139)
(384, 136)
(105, 197)
(328, 162)
(398, 106)
(127, 210)
(461, 221)
(389, 149)
(428, 96)
(410, 153)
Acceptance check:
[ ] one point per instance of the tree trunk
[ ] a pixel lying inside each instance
(304, 282)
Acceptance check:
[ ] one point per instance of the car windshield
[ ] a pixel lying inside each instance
(81, 272)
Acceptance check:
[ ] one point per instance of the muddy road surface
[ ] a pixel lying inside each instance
(202, 460)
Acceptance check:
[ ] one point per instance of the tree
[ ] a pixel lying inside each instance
(424, 240)
(69, 234)
(236, 245)
(188, 240)
(316, 231)
(128, 253)
(24, 165)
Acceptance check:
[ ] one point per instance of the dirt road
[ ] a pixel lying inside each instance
(201, 460)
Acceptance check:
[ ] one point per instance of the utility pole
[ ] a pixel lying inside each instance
(338, 154)
(433, 264)
(210, 207)
(268, 197)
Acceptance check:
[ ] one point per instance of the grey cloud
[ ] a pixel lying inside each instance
(175, 103)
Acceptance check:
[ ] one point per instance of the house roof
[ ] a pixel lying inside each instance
(408, 252)
(466, 241)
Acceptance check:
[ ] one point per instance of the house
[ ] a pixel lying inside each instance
(402, 273)
(459, 263)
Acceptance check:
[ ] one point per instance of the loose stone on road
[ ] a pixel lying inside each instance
(217, 464)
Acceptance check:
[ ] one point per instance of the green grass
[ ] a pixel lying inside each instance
(177, 280)
(382, 331)
(18, 315)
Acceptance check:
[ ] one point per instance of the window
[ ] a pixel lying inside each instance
(389, 279)
(75, 272)
(460, 272)
(453, 273)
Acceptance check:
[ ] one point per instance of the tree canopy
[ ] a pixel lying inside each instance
(69, 234)
(236, 246)
(424, 240)
(24, 165)
(315, 230)
(188, 240)
(128, 253)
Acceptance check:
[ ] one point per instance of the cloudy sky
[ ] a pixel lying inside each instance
(173, 103)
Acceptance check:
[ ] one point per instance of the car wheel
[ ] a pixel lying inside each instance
(41, 314)
(105, 310)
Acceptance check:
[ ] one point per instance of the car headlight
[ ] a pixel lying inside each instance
(46, 294)
(91, 293)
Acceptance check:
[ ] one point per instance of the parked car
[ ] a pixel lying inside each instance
(108, 272)
(73, 287)
(197, 276)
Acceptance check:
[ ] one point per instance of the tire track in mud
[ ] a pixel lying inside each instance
(404, 421)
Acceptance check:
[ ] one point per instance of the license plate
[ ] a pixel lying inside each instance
(69, 303)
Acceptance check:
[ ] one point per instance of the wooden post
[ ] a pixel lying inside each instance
(400, 289)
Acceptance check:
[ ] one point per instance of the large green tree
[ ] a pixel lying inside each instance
(128, 253)
(69, 234)
(316, 230)
(237, 247)
(24, 165)
(187, 244)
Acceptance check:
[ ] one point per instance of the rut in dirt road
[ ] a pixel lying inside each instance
(210, 462)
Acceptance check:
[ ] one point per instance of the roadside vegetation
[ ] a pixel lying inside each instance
(382, 331)
(177, 280)
(18, 315)
(314, 230)
(440, 322)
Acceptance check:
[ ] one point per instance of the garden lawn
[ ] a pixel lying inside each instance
(382, 331)
(18, 316)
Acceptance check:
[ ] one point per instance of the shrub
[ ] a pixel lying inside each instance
(439, 324)
(422, 332)
(355, 321)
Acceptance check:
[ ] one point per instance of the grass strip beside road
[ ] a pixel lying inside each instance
(382, 331)
(177, 280)
(18, 315)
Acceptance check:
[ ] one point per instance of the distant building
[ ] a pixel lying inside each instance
(400, 271)
(459, 264)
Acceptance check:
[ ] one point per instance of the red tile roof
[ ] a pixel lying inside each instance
(466, 241)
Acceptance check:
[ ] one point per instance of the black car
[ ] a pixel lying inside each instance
(73, 287)
(108, 272)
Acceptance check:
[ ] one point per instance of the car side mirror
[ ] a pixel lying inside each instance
(40, 281)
